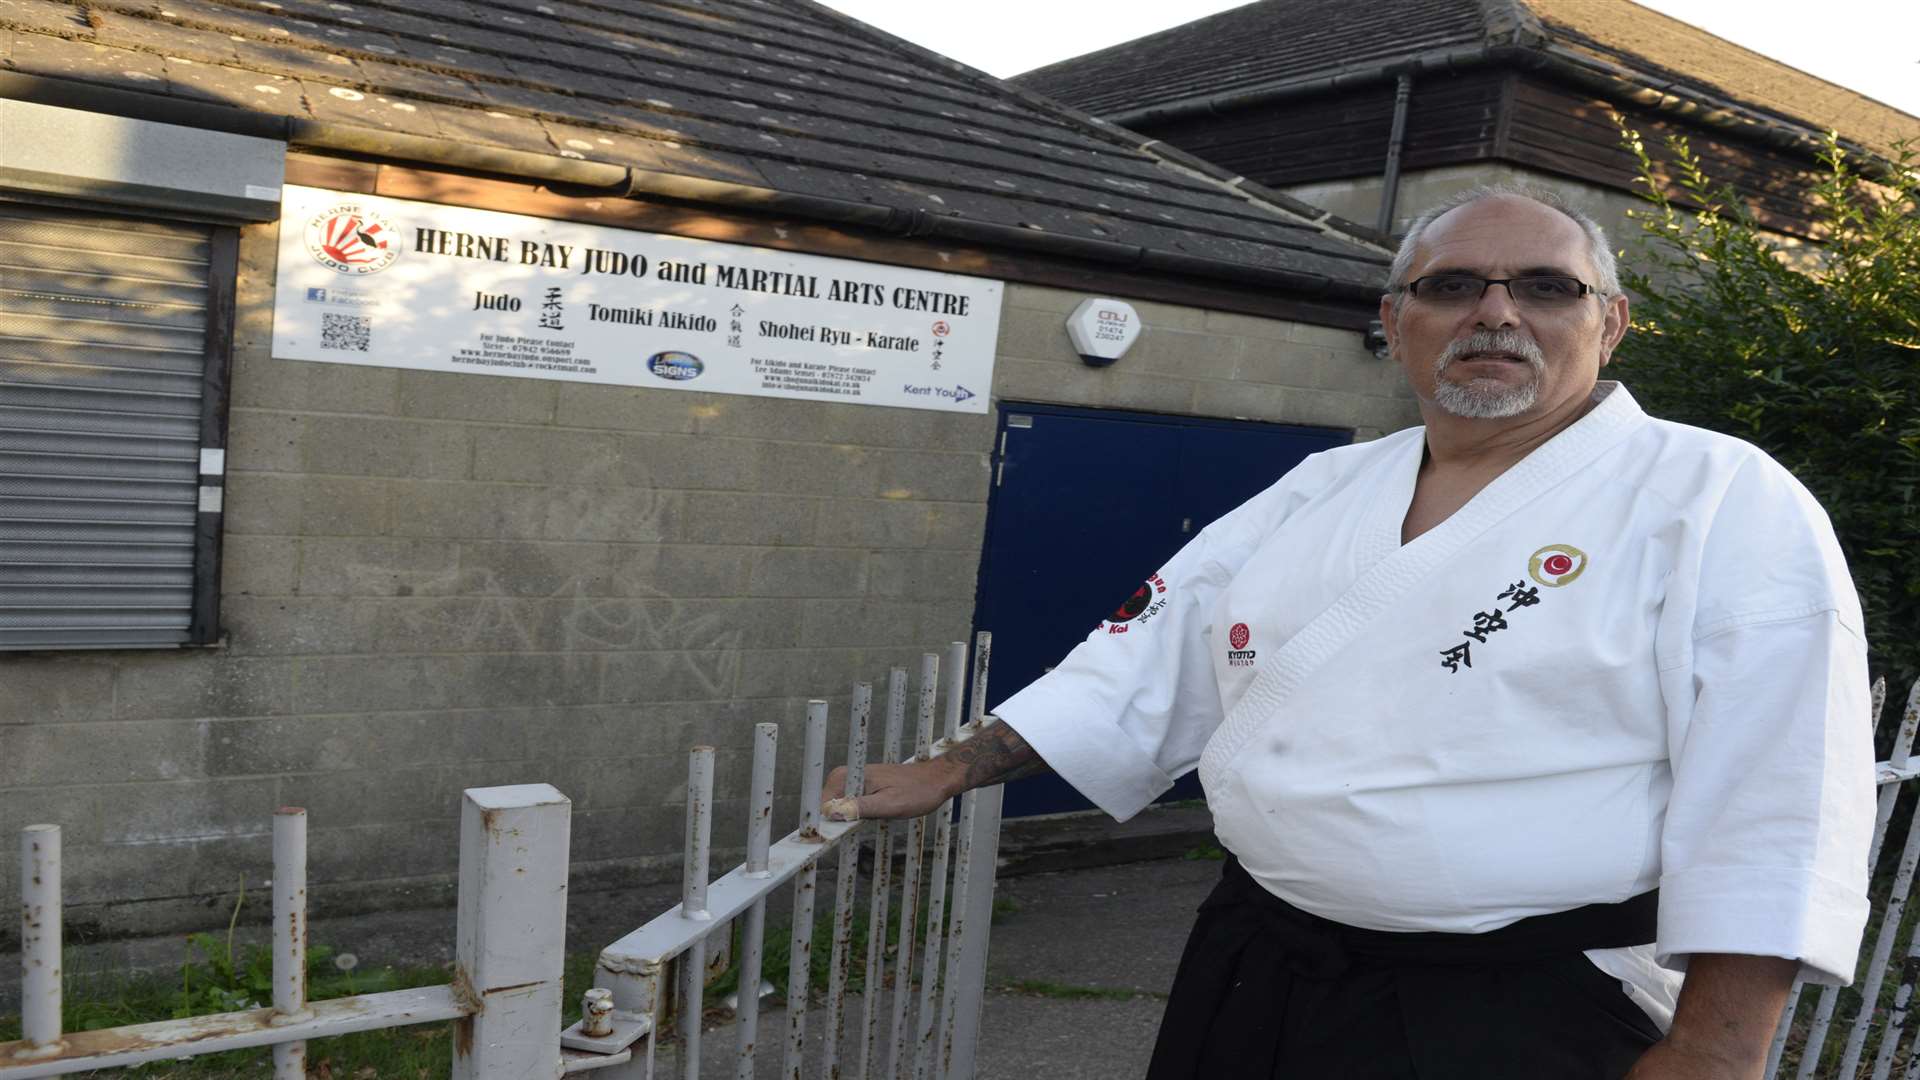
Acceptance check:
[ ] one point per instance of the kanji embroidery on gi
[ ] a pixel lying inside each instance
(1486, 622)
(1523, 595)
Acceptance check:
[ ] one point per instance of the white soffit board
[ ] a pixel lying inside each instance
(50, 150)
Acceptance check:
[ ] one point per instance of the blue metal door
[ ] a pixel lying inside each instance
(1086, 503)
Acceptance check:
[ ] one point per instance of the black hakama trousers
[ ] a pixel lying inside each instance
(1266, 991)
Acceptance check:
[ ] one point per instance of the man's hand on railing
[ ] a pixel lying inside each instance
(913, 788)
(891, 791)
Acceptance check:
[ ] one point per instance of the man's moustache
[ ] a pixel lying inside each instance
(1507, 342)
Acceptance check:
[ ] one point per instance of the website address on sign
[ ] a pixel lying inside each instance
(816, 386)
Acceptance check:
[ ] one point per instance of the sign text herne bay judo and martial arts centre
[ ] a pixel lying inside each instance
(396, 283)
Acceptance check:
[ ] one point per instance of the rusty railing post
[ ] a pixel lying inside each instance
(40, 942)
(290, 937)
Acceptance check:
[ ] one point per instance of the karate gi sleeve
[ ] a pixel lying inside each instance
(1771, 814)
(1130, 708)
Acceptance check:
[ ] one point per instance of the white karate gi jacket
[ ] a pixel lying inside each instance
(1634, 659)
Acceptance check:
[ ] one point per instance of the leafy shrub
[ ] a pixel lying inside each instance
(1814, 357)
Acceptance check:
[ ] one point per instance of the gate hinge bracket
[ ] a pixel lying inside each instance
(625, 1033)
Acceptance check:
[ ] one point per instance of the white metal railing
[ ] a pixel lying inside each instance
(931, 1025)
(512, 915)
(505, 996)
(1868, 1020)
(510, 934)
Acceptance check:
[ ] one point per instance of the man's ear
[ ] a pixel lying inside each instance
(1617, 322)
(1389, 325)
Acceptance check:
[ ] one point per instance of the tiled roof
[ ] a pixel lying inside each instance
(1644, 40)
(1281, 41)
(1254, 46)
(770, 94)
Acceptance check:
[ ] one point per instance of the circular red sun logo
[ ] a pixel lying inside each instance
(1238, 636)
(351, 239)
(1556, 565)
(941, 329)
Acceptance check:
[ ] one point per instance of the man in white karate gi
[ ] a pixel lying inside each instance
(1507, 720)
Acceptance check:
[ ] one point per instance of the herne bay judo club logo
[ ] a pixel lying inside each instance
(350, 239)
(1148, 600)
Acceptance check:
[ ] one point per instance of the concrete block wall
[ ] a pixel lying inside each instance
(434, 581)
(1203, 363)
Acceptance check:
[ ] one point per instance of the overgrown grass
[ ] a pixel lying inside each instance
(214, 980)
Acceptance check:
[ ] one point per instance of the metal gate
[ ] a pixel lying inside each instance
(929, 1030)
(505, 998)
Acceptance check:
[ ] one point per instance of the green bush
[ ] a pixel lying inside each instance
(1814, 356)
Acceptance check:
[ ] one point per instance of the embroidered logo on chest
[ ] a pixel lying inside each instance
(1148, 600)
(1556, 565)
(1238, 655)
(1552, 566)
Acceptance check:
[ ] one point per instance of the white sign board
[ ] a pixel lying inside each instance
(396, 283)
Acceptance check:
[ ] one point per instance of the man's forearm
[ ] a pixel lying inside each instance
(1724, 1023)
(995, 755)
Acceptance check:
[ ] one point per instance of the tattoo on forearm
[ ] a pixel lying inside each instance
(997, 754)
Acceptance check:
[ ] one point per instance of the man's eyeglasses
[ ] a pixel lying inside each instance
(1528, 290)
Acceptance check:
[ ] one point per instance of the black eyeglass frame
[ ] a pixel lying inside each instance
(1412, 288)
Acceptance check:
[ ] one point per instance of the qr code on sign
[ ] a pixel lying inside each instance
(348, 332)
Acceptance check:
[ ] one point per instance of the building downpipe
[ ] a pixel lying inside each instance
(1390, 181)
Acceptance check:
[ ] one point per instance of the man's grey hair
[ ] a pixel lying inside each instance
(1605, 271)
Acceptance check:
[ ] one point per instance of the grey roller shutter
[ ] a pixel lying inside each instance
(104, 359)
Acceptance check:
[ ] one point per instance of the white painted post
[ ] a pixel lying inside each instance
(510, 941)
(910, 883)
(290, 937)
(805, 885)
(693, 904)
(753, 931)
(844, 884)
(967, 973)
(968, 904)
(925, 1064)
(40, 942)
(871, 1001)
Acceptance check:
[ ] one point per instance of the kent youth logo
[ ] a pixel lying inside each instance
(1147, 601)
(350, 239)
(1556, 565)
(1238, 655)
